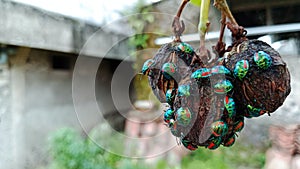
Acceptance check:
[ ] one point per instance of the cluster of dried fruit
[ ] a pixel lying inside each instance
(209, 100)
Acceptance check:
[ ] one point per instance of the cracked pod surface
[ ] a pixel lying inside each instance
(210, 102)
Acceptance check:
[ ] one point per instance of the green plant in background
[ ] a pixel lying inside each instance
(70, 151)
(238, 156)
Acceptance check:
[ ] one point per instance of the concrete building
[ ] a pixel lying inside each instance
(38, 53)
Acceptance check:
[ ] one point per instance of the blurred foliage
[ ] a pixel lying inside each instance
(196, 2)
(71, 151)
(235, 157)
(138, 18)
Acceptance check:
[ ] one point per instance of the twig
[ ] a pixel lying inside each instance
(178, 27)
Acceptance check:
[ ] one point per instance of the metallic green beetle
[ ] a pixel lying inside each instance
(168, 115)
(146, 66)
(223, 87)
(229, 141)
(184, 90)
(170, 96)
(220, 70)
(183, 116)
(241, 69)
(169, 70)
(214, 143)
(219, 128)
(262, 59)
(189, 145)
(238, 125)
(230, 106)
(254, 112)
(201, 73)
(184, 47)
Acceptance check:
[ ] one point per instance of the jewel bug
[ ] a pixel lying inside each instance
(186, 48)
(169, 70)
(223, 87)
(229, 141)
(238, 125)
(254, 112)
(241, 68)
(183, 116)
(184, 90)
(220, 70)
(230, 106)
(146, 66)
(201, 73)
(262, 59)
(219, 128)
(168, 115)
(174, 129)
(170, 95)
(214, 143)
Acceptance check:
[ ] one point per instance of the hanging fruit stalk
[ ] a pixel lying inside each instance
(209, 99)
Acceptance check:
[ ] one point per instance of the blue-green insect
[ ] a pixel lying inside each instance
(262, 59)
(184, 47)
(169, 70)
(223, 87)
(254, 112)
(230, 106)
(201, 73)
(220, 70)
(168, 115)
(170, 96)
(229, 141)
(183, 116)
(214, 143)
(184, 90)
(241, 69)
(146, 66)
(219, 128)
(239, 125)
(188, 144)
(174, 129)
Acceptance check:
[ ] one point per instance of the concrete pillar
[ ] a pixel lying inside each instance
(18, 62)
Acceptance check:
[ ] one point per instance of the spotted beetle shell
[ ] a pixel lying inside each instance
(230, 141)
(214, 143)
(254, 112)
(184, 90)
(230, 106)
(238, 126)
(262, 59)
(168, 115)
(241, 69)
(220, 70)
(219, 128)
(169, 70)
(183, 116)
(188, 144)
(170, 95)
(146, 66)
(223, 87)
(184, 47)
(201, 73)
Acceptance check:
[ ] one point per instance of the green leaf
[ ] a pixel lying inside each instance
(196, 2)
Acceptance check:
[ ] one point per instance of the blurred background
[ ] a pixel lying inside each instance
(71, 96)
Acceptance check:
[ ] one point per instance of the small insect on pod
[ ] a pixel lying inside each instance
(229, 141)
(214, 143)
(170, 95)
(169, 114)
(230, 106)
(254, 112)
(262, 59)
(220, 70)
(241, 69)
(184, 90)
(223, 87)
(238, 125)
(219, 128)
(188, 144)
(201, 73)
(186, 48)
(174, 129)
(146, 66)
(169, 70)
(183, 116)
